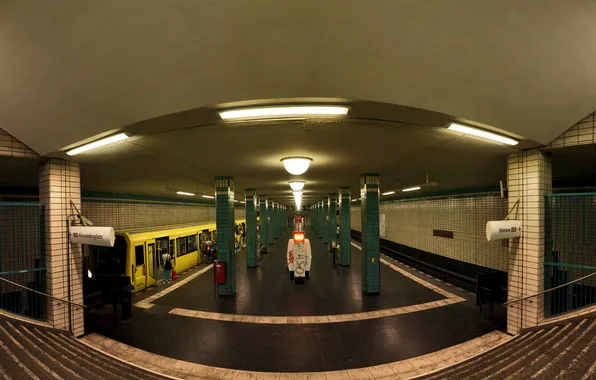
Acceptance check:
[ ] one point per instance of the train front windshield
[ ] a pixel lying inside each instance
(111, 261)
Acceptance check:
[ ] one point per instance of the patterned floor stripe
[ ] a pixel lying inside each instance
(147, 302)
(404, 369)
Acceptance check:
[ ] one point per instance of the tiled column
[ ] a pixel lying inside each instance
(332, 201)
(278, 221)
(321, 219)
(59, 183)
(345, 226)
(252, 247)
(529, 177)
(263, 212)
(270, 214)
(325, 220)
(371, 270)
(313, 213)
(225, 224)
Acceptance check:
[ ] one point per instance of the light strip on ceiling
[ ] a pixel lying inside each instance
(185, 193)
(389, 193)
(208, 196)
(282, 112)
(98, 143)
(482, 133)
(411, 188)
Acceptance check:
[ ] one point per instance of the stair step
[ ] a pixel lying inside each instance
(555, 352)
(34, 352)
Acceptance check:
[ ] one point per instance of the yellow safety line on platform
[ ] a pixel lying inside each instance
(419, 280)
(333, 318)
(403, 369)
(147, 302)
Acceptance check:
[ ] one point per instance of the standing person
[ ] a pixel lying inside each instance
(167, 267)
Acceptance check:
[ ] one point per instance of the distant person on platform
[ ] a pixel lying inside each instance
(167, 267)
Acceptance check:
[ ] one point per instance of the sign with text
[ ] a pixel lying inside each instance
(101, 236)
(503, 229)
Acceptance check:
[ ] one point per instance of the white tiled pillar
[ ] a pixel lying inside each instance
(529, 177)
(59, 183)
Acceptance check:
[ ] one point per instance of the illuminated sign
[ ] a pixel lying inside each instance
(298, 237)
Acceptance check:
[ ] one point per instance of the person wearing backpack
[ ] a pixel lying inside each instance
(167, 268)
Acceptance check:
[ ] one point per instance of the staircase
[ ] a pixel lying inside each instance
(28, 351)
(562, 351)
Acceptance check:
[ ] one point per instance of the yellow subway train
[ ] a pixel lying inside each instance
(136, 258)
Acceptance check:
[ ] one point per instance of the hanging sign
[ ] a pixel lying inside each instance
(503, 229)
(101, 236)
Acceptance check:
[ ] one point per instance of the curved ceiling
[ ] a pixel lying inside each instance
(72, 69)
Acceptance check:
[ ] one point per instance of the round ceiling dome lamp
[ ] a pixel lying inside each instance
(297, 185)
(296, 165)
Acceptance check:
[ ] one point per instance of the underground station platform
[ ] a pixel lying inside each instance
(273, 325)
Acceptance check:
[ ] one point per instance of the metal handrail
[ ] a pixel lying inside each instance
(549, 290)
(42, 293)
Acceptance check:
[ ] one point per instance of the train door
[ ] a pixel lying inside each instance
(203, 237)
(173, 251)
(139, 269)
(152, 273)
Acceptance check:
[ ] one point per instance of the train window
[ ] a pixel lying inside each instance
(139, 255)
(181, 242)
(172, 250)
(192, 243)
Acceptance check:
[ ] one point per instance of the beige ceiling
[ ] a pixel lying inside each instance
(74, 69)
(189, 159)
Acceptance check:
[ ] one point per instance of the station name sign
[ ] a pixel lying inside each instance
(503, 229)
(101, 236)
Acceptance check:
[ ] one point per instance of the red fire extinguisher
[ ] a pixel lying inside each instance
(220, 273)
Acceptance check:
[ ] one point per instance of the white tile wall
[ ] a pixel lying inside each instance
(529, 177)
(11, 147)
(133, 214)
(582, 133)
(59, 183)
(411, 222)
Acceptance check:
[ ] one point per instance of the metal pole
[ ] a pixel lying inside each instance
(68, 274)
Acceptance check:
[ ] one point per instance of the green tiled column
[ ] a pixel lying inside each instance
(278, 220)
(270, 223)
(263, 221)
(274, 226)
(251, 228)
(313, 214)
(332, 204)
(225, 224)
(345, 226)
(321, 220)
(326, 220)
(369, 209)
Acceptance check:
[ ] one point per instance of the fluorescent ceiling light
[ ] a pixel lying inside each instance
(283, 112)
(184, 193)
(98, 143)
(242, 202)
(208, 196)
(482, 133)
(354, 200)
(296, 165)
(389, 193)
(411, 188)
(297, 185)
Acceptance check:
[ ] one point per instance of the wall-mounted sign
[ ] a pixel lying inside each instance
(101, 236)
(503, 229)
